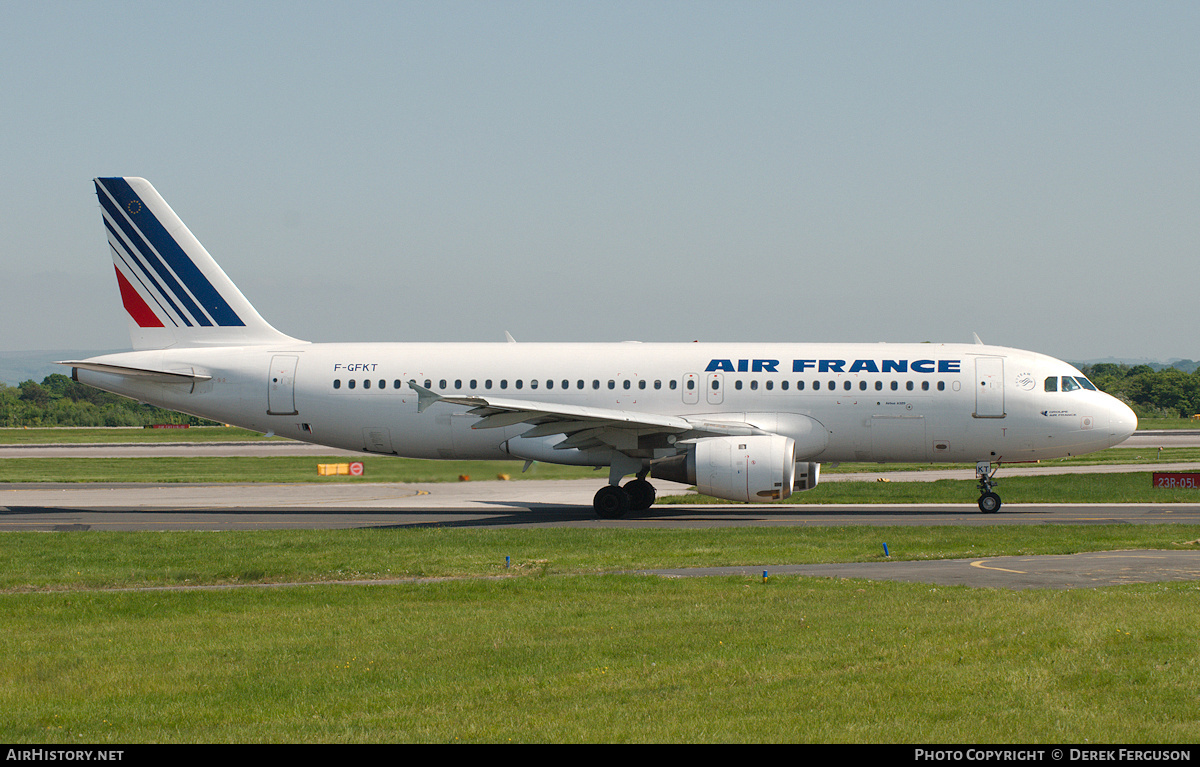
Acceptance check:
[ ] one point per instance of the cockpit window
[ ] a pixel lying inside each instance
(1086, 383)
(1070, 384)
(1052, 383)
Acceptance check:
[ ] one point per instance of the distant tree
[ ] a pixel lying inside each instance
(34, 393)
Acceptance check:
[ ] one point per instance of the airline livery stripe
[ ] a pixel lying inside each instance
(127, 254)
(120, 261)
(141, 313)
(140, 248)
(152, 230)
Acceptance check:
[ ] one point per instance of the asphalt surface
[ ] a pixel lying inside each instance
(1067, 571)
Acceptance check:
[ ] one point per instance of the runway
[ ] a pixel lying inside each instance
(531, 503)
(520, 503)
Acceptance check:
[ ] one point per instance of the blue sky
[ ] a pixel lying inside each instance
(660, 171)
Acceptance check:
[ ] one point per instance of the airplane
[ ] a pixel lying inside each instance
(743, 422)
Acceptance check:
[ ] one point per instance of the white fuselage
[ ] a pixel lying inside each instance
(873, 402)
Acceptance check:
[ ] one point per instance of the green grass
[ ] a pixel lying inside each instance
(1168, 423)
(564, 653)
(561, 648)
(94, 559)
(381, 469)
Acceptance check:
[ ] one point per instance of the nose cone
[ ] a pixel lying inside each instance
(1121, 420)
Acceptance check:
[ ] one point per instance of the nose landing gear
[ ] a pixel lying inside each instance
(989, 502)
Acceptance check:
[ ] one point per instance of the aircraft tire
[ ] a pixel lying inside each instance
(611, 502)
(989, 503)
(641, 494)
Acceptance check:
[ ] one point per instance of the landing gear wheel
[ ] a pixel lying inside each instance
(989, 503)
(611, 502)
(641, 494)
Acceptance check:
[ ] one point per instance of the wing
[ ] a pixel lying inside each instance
(585, 427)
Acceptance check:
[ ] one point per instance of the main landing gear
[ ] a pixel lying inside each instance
(989, 502)
(614, 501)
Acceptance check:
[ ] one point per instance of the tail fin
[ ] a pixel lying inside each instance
(172, 289)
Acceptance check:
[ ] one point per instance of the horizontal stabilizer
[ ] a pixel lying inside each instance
(143, 374)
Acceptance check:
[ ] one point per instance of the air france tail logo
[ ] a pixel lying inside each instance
(836, 366)
(159, 281)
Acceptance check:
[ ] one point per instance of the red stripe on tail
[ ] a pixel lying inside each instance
(142, 314)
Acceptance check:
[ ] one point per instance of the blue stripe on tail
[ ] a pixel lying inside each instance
(149, 231)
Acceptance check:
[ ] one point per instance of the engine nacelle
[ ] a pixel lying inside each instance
(758, 468)
(807, 476)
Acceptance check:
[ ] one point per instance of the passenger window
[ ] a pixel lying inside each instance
(396, 384)
(754, 385)
(674, 384)
(626, 383)
(1052, 383)
(337, 383)
(658, 384)
(799, 386)
(367, 383)
(737, 385)
(691, 384)
(770, 385)
(612, 384)
(879, 386)
(642, 384)
(845, 386)
(908, 385)
(862, 385)
(519, 384)
(350, 383)
(895, 385)
(941, 386)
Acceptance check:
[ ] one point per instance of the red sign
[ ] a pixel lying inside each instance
(356, 468)
(1187, 480)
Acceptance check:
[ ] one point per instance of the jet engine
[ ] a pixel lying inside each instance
(752, 468)
(808, 474)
